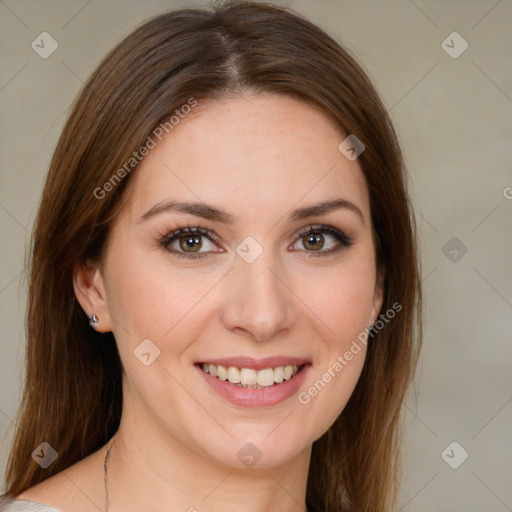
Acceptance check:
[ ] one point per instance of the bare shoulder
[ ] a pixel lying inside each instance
(78, 488)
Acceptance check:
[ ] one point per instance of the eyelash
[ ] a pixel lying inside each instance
(343, 239)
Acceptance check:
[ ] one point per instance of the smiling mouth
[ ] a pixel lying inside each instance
(250, 378)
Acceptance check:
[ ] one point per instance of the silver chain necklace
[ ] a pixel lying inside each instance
(105, 466)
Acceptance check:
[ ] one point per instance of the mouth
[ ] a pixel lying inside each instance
(252, 378)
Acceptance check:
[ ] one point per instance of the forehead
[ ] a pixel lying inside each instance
(253, 153)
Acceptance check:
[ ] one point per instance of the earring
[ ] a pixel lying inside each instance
(93, 320)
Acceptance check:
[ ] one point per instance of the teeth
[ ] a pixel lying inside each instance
(222, 372)
(233, 375)
(248, 377)
(266, 377)
(279, 374)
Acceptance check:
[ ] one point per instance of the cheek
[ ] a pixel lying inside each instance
(326, 394)
(341, 353)
(149, 299)
(345, 308)
(340, 308)
(149, 295)
(341, 298)
(152, 302)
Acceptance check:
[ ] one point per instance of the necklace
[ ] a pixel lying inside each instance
(105, 467)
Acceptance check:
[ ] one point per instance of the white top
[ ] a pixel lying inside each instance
(8, 504)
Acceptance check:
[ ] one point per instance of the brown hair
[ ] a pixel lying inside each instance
(73, 396)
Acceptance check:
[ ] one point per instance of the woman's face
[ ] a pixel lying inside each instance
(250, 281)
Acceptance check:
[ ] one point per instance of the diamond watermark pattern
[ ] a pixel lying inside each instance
(454, 249)
(44, 45)
(146, 352)
(351, 147)
(249, 454)
(454, 455)
(44, 455)
(454, 45)
(249, 249)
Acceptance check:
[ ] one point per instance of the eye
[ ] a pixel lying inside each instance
(191, 242)
(198, 242)
(322, 240)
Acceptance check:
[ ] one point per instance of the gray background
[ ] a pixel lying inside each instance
(453, 116)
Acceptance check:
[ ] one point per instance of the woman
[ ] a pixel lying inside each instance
(224, 304)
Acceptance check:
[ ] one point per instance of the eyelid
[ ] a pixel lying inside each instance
(337, 233)
(189, 230)
(167, 239)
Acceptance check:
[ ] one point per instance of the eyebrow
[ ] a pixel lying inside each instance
(216, 214)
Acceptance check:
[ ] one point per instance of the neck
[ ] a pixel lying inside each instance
(151, 470)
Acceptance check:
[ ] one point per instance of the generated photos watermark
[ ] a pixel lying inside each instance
(137, 156)
(304, 397)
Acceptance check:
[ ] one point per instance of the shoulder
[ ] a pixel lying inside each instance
(79, 488)
(8, 504)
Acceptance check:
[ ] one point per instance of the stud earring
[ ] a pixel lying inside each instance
(93, 320)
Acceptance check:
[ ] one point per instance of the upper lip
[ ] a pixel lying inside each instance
(257, 364)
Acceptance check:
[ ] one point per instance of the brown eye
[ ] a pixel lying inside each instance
(190, 243)
(321, 240)
(313, 241)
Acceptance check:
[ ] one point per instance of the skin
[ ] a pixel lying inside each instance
(257, 157)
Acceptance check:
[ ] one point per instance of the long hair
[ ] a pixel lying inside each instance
(72, 395)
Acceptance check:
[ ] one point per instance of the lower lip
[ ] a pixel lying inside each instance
(248, 397)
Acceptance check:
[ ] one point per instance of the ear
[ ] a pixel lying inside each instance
(378, 296)
(89, 288)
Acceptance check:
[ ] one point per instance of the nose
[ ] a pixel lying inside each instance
(257, 300)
